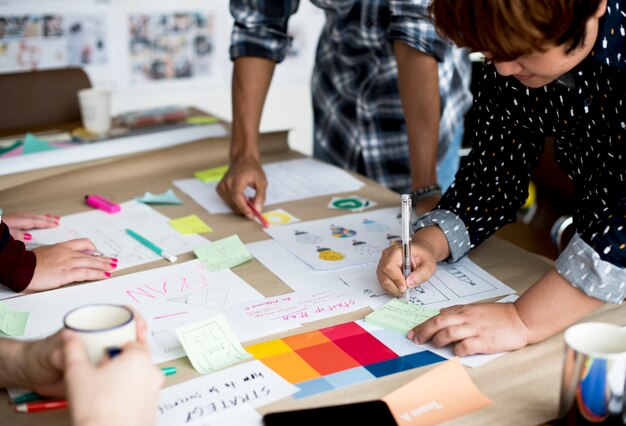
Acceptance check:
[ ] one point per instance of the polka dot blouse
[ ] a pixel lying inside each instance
(585, 111)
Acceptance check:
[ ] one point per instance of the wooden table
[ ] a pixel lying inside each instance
(524, 385)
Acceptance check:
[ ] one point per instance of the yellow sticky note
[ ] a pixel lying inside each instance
(202, 119)
(211, 344)
(191, 224)
(211, 175)
(265, 349)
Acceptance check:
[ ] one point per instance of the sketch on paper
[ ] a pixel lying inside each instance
(166, 340)
(348, 240)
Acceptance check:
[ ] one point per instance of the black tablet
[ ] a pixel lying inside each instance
(368, 412)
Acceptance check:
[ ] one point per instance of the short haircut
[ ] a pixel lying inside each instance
(508, 29)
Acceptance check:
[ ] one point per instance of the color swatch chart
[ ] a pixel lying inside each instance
(338, 356)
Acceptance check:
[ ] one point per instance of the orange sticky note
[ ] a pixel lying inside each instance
(442, 394)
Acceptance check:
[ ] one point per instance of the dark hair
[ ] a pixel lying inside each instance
(508, 29)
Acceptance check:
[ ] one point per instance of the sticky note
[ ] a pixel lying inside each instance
(211, 344)
(202, 119)
(223, 254)
(191, 224)
(399, 316)
(441, 394)
(211, 175)
(167, 197)
(33, 144)
(279, 217)
(12, 323)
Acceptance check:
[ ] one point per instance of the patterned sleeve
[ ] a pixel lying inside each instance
(410, 23)
(493, 184)
(260, 28)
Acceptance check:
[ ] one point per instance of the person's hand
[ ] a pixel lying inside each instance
(389, 270)
(19, 223)
(426, 205)
(38, 366)
(243, 173)
(65, 263)
(120, 391)
(482, 328)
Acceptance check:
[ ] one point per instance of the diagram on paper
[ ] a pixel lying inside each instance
(342, 241)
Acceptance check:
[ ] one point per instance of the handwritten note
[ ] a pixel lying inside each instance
(191, 224)
(397, 315)
(211, 344)
(445, 392)
(293, 308)
(223, 254)
(211, 175)
(251, 384)
(167, 197)
(12, 323)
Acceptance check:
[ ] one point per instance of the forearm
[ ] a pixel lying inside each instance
(251, 81)
(11, 357)
(551, 305)
(418, 84)
(433, 238)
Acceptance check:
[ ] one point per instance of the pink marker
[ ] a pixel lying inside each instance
(99, 202)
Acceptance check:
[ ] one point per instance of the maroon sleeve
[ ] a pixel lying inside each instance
(17, 265)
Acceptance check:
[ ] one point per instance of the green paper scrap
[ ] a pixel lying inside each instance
(191, 224)
(12, 323)
(211, 175)
(223, 254)
(33, 144)
(211, 344)
(10, 148)
(400, 316)
(202, 119)
(167, 197)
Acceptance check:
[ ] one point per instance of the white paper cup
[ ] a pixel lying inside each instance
(594, 375)
(101, 327)
(95, 110)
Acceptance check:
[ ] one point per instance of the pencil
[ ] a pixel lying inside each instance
(257, 214)
(30, 407)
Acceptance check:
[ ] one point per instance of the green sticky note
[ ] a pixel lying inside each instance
(223, 254)
(211, 175)
(202, 119)
(191, 224)
(211, 344)
(12, 323)
(33, 144)
(399, 316)
(167, 197)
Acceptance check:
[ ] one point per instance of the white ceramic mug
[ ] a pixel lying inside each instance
(102, 327)
(95, 110)
(594, 375)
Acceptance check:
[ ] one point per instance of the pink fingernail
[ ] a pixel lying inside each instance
(57, 217)
(113, 265)
(107, 274)
(28, 237)
(113, 259)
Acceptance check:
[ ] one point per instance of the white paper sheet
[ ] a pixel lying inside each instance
(250, 384)
(167, 298)
(456, 283)
(287, 181)
(294, 308)
(341, 241)
(108, 232)
(294, 272)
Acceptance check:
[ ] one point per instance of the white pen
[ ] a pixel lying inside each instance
(406, 239)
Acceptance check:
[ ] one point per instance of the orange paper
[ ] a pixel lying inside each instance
(442, 394)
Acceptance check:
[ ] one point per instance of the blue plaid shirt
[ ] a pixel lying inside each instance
(358, 116)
